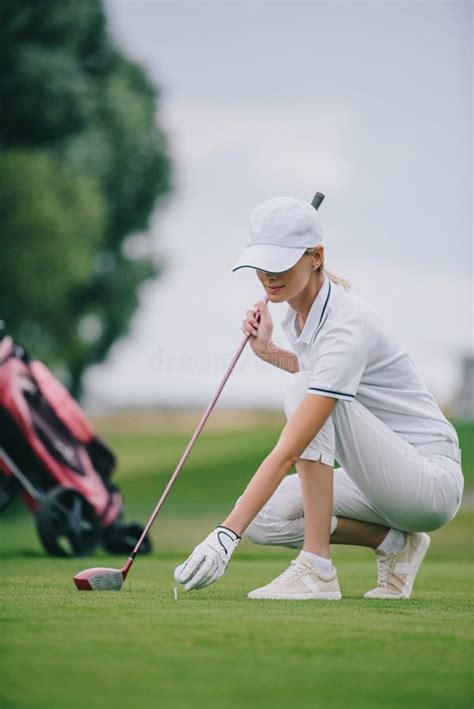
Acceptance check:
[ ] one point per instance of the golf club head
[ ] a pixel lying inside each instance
(99, 579)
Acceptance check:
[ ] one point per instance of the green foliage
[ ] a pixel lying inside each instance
(82, 164)
(49, 54)
(52, 226)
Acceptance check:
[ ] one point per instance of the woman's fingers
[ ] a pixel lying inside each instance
(248, 329)
(250, 325)
(254, 316)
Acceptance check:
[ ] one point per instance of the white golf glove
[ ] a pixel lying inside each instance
(209, 560)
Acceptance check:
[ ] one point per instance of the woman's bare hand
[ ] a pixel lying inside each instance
(259, 329)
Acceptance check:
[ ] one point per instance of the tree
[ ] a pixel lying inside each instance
(82, 166)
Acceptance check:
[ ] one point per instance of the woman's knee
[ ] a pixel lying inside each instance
(281, 516)
(275, 531)
(259, 530)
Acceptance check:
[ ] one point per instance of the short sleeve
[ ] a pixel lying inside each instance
(337, 362)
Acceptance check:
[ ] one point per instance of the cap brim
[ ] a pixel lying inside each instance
(269, 258)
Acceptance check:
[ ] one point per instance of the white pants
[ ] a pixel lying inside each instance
(383, 479)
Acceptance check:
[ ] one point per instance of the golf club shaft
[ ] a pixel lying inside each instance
(182, 461)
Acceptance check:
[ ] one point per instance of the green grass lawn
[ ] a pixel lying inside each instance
(215, 648)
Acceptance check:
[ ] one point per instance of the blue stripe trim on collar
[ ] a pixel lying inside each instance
(325, 304)
(322, 315)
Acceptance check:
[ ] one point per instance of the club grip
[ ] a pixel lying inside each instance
(317, 199)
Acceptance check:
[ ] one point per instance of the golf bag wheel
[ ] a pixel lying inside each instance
(67, 524)
(121, 537)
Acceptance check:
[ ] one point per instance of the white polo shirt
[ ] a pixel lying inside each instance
(351, 355)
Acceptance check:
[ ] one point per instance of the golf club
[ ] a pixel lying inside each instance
(107, 579)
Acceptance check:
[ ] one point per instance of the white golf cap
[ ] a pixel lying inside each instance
(281, 230)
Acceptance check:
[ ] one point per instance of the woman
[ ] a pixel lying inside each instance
(354, 396)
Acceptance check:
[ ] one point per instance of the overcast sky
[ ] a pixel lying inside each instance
(370, 103)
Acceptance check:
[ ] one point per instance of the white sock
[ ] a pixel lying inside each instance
(319, 562)
(393, 542)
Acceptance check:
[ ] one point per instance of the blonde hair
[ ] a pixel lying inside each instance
(332, 276)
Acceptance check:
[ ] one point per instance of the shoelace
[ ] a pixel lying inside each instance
(292, 572)
(385, 565)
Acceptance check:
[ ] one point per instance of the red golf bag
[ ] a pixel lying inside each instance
(50, 454)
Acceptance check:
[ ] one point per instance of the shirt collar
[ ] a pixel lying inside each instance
(314, 319)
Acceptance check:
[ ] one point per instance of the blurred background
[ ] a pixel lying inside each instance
(136, 138)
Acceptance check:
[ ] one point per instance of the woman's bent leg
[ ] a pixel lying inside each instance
(354, 519)
(316, 480)
(412, 492)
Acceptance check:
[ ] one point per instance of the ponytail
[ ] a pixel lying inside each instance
(338, 280)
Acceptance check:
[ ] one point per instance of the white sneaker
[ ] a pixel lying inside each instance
(300, 582)
(397, 572)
